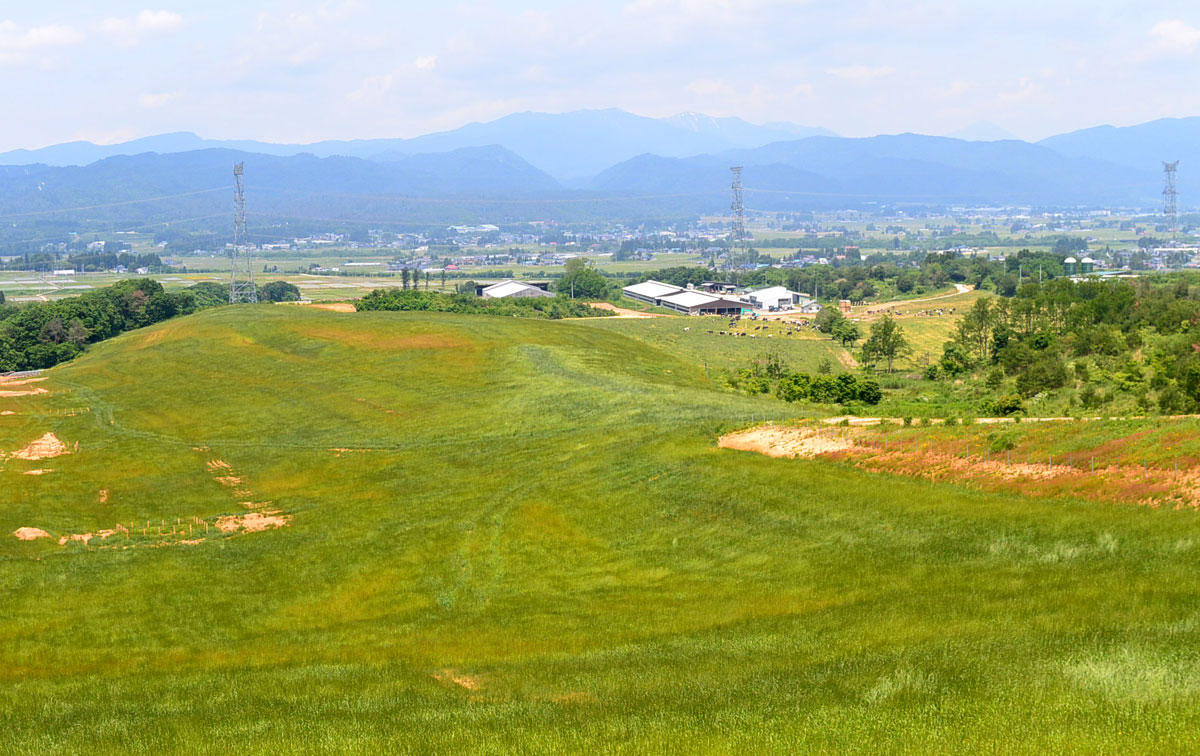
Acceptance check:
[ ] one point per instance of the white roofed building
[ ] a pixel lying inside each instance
(775, 298)
(690, 302)
(651, 291)
(507, 289)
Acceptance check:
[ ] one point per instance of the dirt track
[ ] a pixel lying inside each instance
(623, 313)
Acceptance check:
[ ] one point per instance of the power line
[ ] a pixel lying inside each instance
(112, 204)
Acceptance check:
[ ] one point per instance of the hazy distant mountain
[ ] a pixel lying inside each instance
(496, 184)
(1144, 146)
(333, 187)
(738, 133)
(573, 145)
(905, 168)
(982, 131)
(86, 153)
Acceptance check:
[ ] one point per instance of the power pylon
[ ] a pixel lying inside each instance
(738, 235)
(241, 276)
(1171, 198)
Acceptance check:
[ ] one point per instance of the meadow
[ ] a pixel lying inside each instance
(506, 536)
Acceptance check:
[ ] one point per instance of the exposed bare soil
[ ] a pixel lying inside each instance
(459, 679)
(47, 447)
(784, 442)
(1151, 487)
(253, 522)
(624, 313)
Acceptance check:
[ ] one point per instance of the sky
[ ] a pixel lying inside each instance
(307, 70)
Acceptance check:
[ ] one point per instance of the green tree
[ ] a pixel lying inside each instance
(77, 332)
(846, 332)
(827, 318)
(582, 282)
(279, 291)
(869, 391)
(886, 342)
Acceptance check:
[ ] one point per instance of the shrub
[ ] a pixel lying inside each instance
(1006, 406)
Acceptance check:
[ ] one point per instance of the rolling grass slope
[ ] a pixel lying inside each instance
(511, 536)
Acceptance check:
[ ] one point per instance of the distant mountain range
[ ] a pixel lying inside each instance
(569, 146)
(595, 164)
(900, 169)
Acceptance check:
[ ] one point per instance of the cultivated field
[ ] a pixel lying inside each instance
(411, 533)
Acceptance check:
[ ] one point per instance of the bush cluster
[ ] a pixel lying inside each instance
(41, 335)
(768, 375)
(553, 308)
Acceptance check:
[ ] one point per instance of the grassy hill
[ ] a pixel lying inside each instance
(506, 536)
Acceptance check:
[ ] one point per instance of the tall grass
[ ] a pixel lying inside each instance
(540, 508)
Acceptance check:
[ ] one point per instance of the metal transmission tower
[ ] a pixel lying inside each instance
(1171, 198)
(241, 277)
(738, 236)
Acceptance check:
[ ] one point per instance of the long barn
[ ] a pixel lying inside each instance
(685, 301)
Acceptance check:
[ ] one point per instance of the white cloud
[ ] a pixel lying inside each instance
(162, 99)
(1175, 36)
(860, 74)
(426, 62)
(129, 31)
(802, 89)
(53, 35)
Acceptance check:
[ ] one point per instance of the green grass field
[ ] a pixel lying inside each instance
(511, 536)
(689, 339)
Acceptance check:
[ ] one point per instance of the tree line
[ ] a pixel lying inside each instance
(768, 374)
(554, 308)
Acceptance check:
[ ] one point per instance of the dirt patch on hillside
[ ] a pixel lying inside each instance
(6, 394)
(457, 678)
(774, 441)
(964, 464)
(30, 534)
(334, 306)
(252, 523)
(20, 381)
(624, 313)
(38, 472)
(47, 447)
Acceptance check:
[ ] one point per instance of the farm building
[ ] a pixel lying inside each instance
(515, 289)
(776, 298)
(651, 292)
(686, 301)
(698, 303)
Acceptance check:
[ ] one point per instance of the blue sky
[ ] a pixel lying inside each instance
(307, 70)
